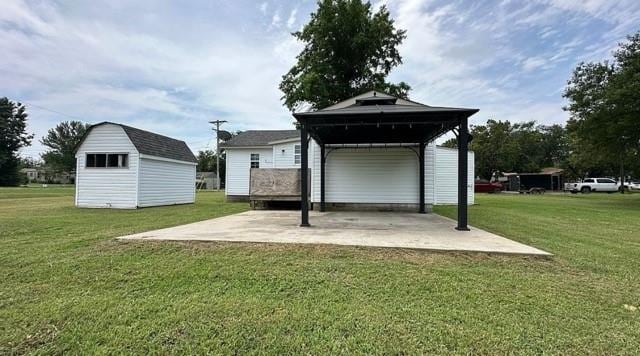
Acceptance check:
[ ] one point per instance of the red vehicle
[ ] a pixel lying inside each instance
(484, 186)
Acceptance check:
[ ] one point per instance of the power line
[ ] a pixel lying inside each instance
(51, 110)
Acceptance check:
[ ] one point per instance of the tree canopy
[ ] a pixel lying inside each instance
(62, 141)
(604, 106)
(348, 49)
(207, 162)
(13, 136)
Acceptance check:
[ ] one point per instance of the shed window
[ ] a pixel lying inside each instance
(255, 160)
(107, 160)
(297, 153)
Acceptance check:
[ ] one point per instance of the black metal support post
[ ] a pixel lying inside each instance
(421, 175)
(323, 161)
(463, 149)
(304, 179)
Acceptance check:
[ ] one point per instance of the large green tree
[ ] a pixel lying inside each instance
(605, 107)
(348, 49)
(62, 141)
(555, 145)
(13, 136)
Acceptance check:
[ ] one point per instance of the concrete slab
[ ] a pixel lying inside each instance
(377, 229)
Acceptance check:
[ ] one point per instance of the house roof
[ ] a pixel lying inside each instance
(260, 138)
(152, 144)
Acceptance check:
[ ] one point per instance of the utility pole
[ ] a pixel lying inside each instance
(217, 130)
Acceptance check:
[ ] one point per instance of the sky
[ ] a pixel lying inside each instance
(171, 66)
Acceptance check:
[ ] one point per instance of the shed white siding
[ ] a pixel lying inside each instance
(106, 187)
(238, 164)
(165, 182)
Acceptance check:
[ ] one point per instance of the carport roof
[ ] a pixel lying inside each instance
(381, 118)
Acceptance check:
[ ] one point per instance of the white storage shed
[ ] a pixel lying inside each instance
(123, 167)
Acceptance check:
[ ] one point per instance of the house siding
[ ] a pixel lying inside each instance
(238, 166)
(361, 175)
(429, 173)
(106, 187)
(164, 182)
(446, 169)
(283, 155)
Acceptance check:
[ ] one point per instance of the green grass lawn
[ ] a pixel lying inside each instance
(68, 286)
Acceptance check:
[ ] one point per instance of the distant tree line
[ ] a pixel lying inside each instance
(60, 142)
(502, 146)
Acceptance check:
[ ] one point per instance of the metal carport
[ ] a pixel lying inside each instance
(384, 119)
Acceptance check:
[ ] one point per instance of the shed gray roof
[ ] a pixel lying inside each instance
(260, 137)
(152, 144)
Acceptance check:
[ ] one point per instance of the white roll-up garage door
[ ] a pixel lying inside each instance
(376, 175)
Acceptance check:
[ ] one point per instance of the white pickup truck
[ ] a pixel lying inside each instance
(594, 185)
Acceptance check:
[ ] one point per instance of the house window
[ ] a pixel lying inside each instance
(297, 154)
(255, 160)
(107, 160)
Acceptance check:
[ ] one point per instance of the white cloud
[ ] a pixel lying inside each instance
(170, 68)
(533, 63)
(292, 18)
(99, 70)
(275, 20)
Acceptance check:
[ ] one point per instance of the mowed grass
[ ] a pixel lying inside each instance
(68, 286)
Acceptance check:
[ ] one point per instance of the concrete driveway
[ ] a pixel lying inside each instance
(377, 229)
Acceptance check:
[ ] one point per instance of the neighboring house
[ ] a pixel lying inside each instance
(44, 175)
(120, 166)
(371, 176)
(31, 173)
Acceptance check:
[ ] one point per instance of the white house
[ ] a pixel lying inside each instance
(124, 167)
(365, 176)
